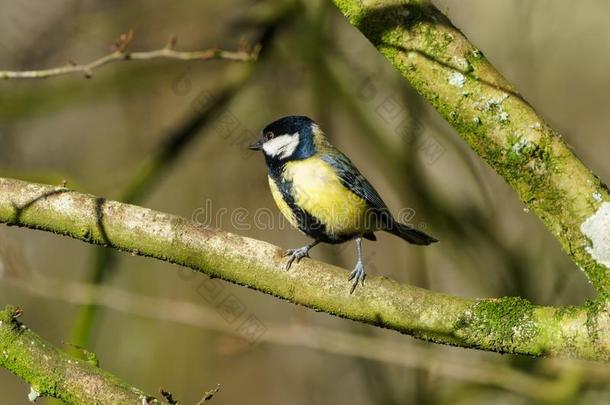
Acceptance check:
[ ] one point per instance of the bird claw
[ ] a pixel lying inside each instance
(296, 254)
(357, 275)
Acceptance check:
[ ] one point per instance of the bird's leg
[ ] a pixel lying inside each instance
(358, 273)
(299, 253)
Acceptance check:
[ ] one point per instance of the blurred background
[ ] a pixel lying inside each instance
(171, 136)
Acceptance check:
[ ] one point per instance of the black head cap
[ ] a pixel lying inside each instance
(290, 126)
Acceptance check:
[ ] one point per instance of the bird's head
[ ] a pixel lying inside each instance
(288, 138)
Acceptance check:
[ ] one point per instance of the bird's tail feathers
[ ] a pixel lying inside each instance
(410, 234)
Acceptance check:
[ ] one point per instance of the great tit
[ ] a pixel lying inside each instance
(319, 190)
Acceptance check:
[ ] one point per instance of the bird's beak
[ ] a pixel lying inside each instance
(258, 145)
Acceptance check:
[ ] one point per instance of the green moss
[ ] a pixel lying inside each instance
(435, 43)
(376, 20)
(351, 9)
(569, 311)
(8, 314)
(593, 308)
(475, 59)
(529, 168)
(499, 325)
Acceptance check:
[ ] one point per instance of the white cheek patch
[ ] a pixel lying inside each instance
(282, 146)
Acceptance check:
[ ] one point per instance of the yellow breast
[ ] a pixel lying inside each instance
(318, 190)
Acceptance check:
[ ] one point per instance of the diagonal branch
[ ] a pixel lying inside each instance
(499, 125)
(52, 373)
(121, 53)
(507, 325)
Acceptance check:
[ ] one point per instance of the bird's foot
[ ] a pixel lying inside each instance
(296, 254)
(357, 275)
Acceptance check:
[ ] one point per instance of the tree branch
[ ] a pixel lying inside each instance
(121, 53)
(559, 383)
(499, 125)
(52, 373)
(506, 325)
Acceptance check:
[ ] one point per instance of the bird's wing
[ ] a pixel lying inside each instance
(352, 179)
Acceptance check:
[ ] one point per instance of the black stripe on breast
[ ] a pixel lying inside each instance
(307, 223)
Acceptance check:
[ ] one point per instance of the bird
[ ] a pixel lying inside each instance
(321, 193)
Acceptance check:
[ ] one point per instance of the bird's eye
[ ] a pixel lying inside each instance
(269, 135)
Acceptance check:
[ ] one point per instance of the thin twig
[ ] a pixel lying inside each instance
(120, 53)
(169, 397)
(209, 395)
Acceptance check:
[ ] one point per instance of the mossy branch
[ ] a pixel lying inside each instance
(562, 378)
(53, 373)
(499, 125)
(506, 325)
